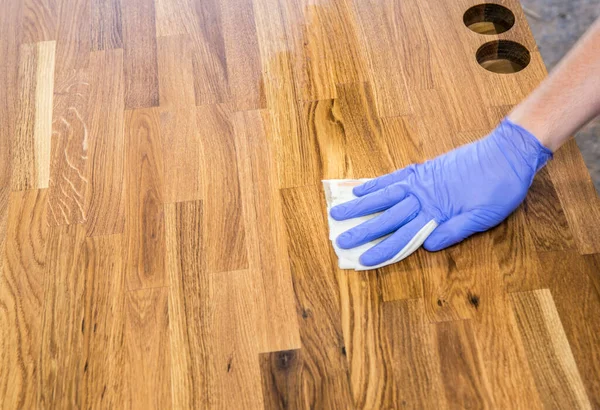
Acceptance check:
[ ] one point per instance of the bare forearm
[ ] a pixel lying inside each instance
(568, 98)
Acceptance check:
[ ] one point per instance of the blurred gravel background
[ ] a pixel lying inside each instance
(556, 26)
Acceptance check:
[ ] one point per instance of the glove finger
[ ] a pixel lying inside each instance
(455, 230)
(391, 246)
(387, 222)
(383, 181)
(369, 204)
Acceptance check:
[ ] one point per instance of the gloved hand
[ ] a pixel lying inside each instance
(468, 190)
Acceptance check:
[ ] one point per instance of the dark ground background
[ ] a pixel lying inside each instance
(556, 26)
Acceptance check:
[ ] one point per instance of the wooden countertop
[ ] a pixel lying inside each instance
(163, 229)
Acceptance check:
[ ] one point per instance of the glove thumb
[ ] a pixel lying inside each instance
(456, 229)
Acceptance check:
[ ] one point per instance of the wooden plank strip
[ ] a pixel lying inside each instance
(574, 278)
(103, 324)
(31, 142)
(147, 375)
(381, 39)
(546, 218)
(372, 384)
(267, 249)
(221, 190)
(144, 227)
(40, 20)
(73, 40)
(174, 17)
(140, 59)
(22, 299)
(189, 305)
(331, 52)
(63, 361)
(548, 350)
(415, 359)
(281, 374)
(105, 167)
(235, 377)
(209, 56)
(315, 284)
(69, 150)
(106, 29)
(182, 154)
(402, 280)
(461, 360)
(578, 197)
(244, 69)
(175, 72)
(365, 146)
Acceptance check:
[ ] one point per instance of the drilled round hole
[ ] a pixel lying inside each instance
(489, 19)
(503, 56)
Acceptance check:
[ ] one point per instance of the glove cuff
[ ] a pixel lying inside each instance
(535, 153)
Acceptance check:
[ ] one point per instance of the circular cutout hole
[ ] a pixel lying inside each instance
(503, 56)
(489, 19)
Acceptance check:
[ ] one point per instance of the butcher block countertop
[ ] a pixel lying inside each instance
(163, 230)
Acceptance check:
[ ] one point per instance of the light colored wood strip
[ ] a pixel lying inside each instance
(70, 144)
(548, 351)
(147, 376)
(174, 17)
(182, 155)
(144, 226)
(31, 144)
(175, 72)
(22, 299)
(221, 190)
(105, 165)
(267, 250)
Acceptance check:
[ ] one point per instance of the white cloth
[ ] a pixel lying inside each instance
(338, 191)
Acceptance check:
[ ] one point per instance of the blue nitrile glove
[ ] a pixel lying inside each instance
(468, 190)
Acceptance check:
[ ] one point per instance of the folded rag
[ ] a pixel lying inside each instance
(338, 191)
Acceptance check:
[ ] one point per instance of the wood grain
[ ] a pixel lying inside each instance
(73, 40)
(40, 18)
(573, 282)
(105, 167)
(244, 69)
(106, 28)
(144, 225)
(175, 72)
(189, 305)
(578, 197)
(139, 54)
(221, 190)
(209, 56)
(31, 142)
(323, 381)
(414, 357)
(266, 237)
(69, 151)
(182, 153)
(549, 354)
(22, 299)
(163, 230)
(146, 379)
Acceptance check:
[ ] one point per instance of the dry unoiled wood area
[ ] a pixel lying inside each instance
(163, 231)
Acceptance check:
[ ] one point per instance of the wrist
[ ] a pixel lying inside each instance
(537, 129)
(528, 146)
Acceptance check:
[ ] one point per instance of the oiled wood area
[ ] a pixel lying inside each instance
(163, 230)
